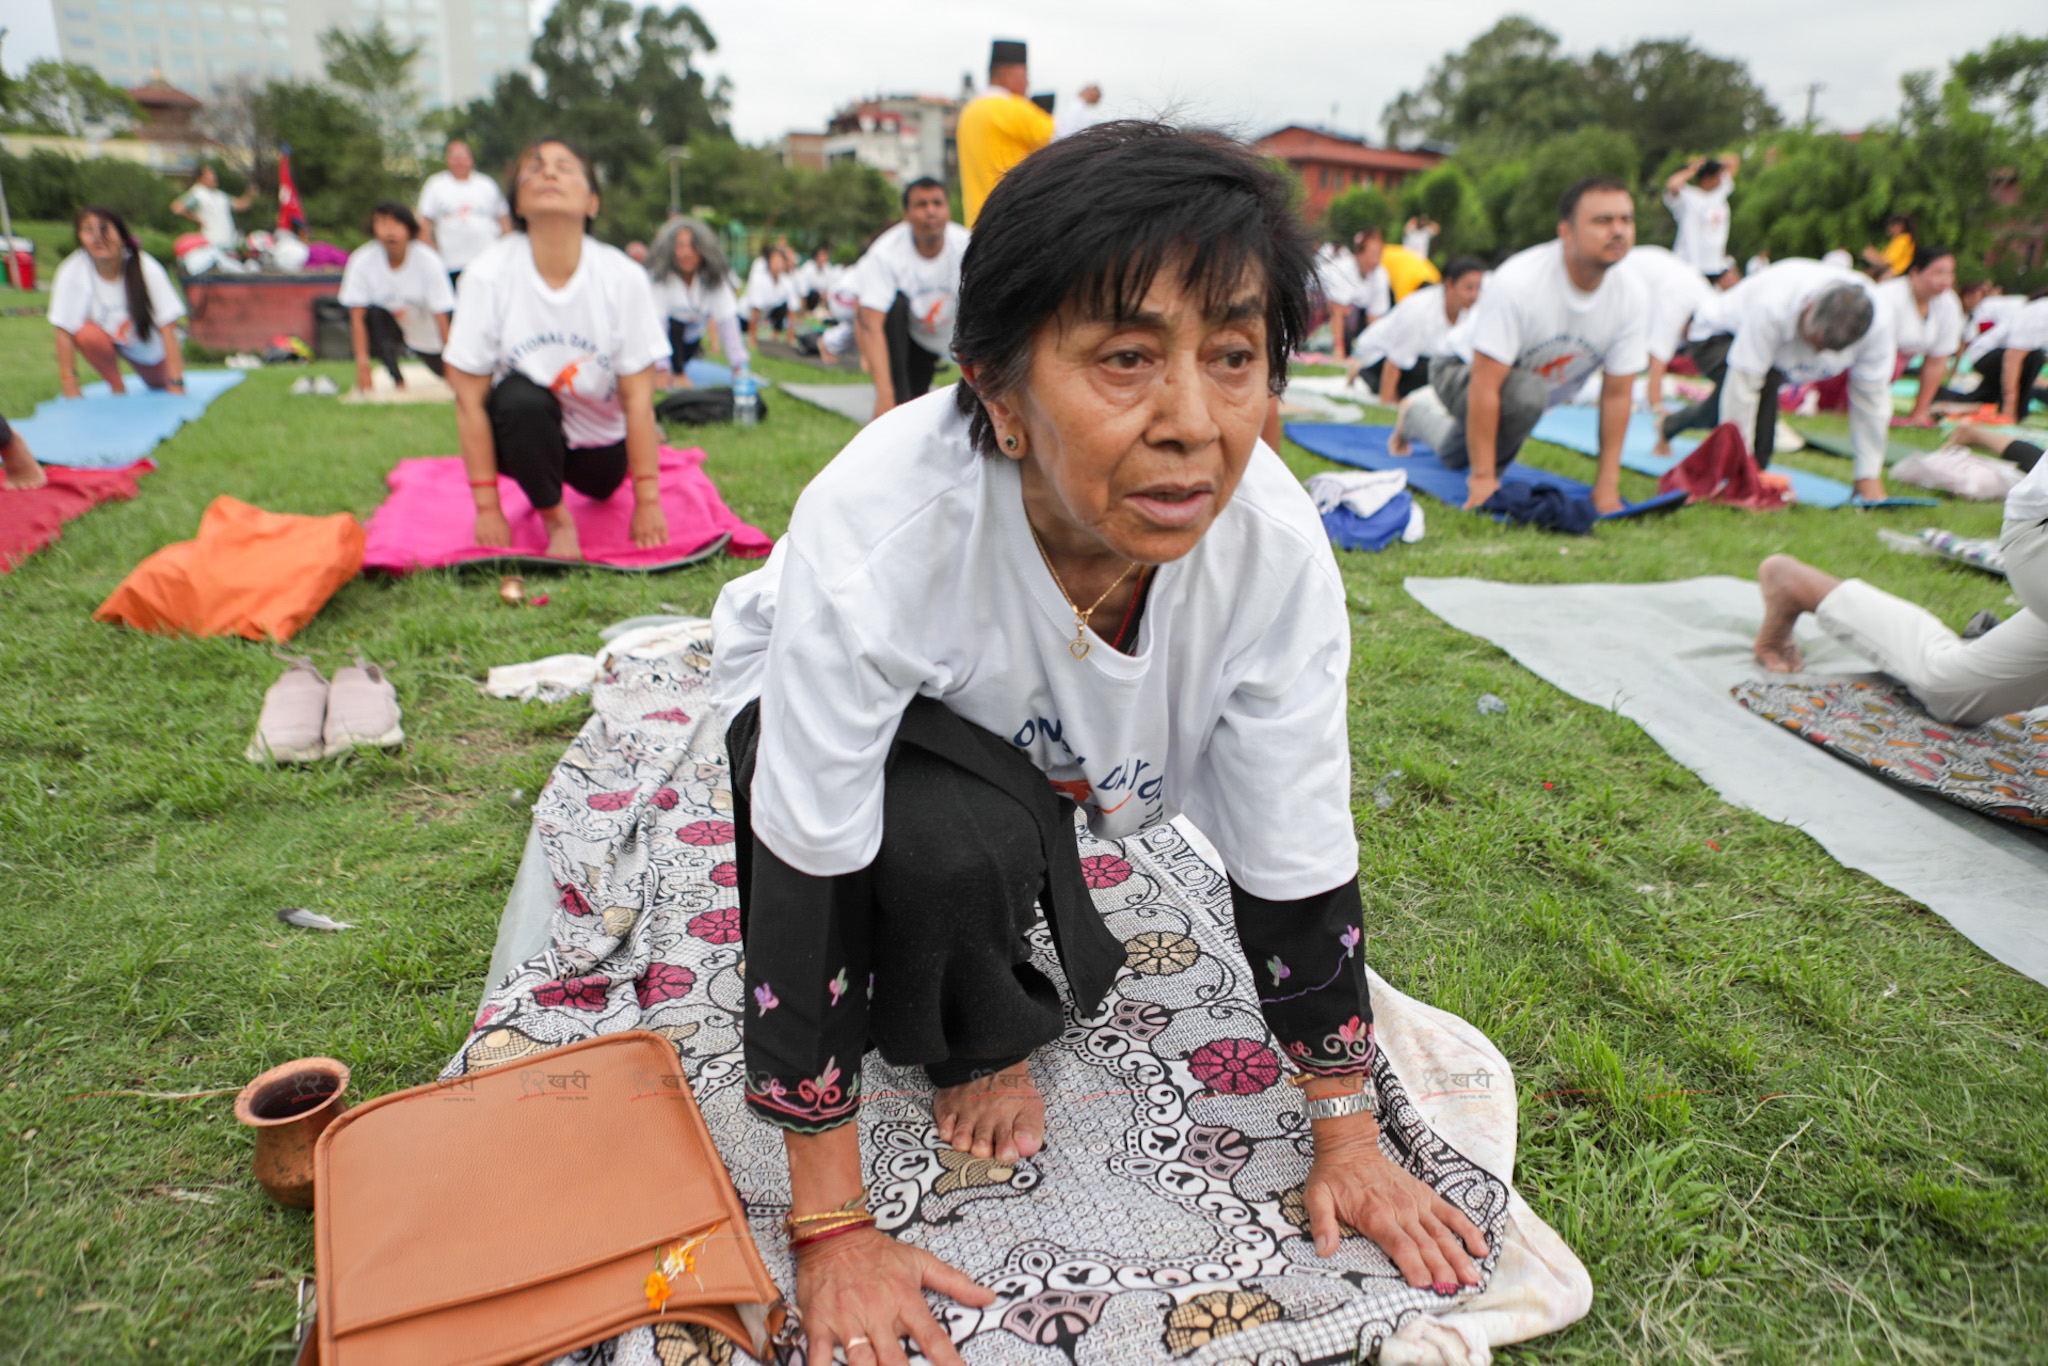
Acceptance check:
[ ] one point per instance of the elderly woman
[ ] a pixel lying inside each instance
(1076, 579)
(693, 291)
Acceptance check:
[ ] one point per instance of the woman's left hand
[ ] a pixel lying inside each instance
(650, 525)
(1429, 1240)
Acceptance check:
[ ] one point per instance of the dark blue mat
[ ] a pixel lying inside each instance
(1366, 447)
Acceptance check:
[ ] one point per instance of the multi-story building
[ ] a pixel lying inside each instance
(1330, 163)
(904, 137)
(200, 44)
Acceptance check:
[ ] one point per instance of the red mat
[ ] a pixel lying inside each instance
(32, 518)
(429, 521)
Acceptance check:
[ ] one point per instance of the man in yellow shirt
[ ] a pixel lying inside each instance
(999, 129)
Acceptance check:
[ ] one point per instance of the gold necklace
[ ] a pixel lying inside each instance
(1078, 647)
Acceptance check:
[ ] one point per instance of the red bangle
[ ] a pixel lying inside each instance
(830, 1233)
(483, 483)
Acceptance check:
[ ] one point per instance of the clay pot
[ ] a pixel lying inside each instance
(288, 1107)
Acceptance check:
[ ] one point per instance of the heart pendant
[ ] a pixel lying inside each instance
(1078, 647)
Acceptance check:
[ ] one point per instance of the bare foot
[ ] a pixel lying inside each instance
(22, 471)
(1870, 490)
(1663, 446)
(1789, 588)
(1000, 1115)
(563, 542)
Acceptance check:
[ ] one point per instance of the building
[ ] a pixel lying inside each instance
(905, 137)
(1330, 163)
(803, 151)
(164, 139)
(201, 44)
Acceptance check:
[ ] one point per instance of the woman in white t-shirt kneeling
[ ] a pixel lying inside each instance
(693, 292)
(111, 301)
(396, 290)
(552, 359)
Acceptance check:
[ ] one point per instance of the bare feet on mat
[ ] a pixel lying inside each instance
(22, 471)
(1870, 490)
(1000, 1115)
(1789, 587)
(1663, 446)
(563, 542)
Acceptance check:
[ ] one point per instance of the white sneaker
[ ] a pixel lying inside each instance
(324, 387)
(290, 728)
(362, 709)
(302, 386)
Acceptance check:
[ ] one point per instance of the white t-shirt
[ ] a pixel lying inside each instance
(1411, 332)
(2023, 329)
(2028, 501)
(79, 295)
(893, 265)
(1702, 223)
(1672, 292)
(1763, 314)
(695, 303)
(413, 293)
(1072, 114)
(1417, 240)
(909, 570)
(215, 210)
(1937, 334)
(1532, 317)
(1982, 330)
(842, 296)
(576, 340)
(812, 278)
(765, 289)
(1345, 284)
(465, 214)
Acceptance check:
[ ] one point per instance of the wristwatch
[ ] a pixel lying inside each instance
(1365, 1100)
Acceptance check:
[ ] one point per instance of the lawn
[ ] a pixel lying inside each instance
(1783, 1114)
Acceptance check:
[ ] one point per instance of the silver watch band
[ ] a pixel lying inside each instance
(1364, 1100)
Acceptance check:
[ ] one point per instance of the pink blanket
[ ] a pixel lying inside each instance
(429, 521)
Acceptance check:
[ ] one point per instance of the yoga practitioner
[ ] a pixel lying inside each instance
(1896, 255)
(552, 360)
(1393, 355)
(1082, 112)
(693, 292)
(1672, 292)
(397, 295)
(1075, 580)
(111, 301)
(17, 462)
(462, 213)
(1000, 127)
(815, 277)
(2008, 360)
(1548, 318)
(1961, 682)
(208, 205)
(1357, 290)
(909, 295)
(1797, 322)
(1418, 232)
(771, 292)
(1927, 321)
(1697, 195)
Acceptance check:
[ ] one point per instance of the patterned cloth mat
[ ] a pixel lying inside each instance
(1164, 1219)
(1999, 768)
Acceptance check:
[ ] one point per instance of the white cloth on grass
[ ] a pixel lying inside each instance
(1939, 333)
(909, 569)
(1672, 292)
(1365, 492)
(79, 294)
(1532, 317)
(1413, 331)
(414, 292)
(893, 265)
(1702, 223)
(575, 341)
(699, 303)
(467, 215)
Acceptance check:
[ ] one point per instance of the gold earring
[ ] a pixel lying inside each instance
(1010, 444)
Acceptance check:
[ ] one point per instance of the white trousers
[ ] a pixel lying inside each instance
(1962, 682)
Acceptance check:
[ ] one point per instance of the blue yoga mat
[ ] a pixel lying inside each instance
(1366, 447)
(713, 374)
(104, 431)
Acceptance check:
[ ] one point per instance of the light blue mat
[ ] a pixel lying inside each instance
(103, 431)
(1578, 429)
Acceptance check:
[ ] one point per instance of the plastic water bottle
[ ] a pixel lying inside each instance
(746, 401)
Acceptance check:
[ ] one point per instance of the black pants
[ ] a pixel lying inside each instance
(911, 367)
(526, 425)
(1991, 378)
(1711, 356)
(1413, 378)
(681, 350)
(387, 342)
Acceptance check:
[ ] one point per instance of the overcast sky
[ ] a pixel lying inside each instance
(1255, 65)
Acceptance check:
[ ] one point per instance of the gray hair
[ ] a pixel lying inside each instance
(661, 256)
(1838, 317)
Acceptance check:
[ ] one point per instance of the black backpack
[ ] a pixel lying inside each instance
(700, 407)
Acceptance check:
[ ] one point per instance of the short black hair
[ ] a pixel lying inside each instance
(397, 213)
(1461, 266)
(1568, 207)
(1089, 221)
(923, 182)
(1925, 256)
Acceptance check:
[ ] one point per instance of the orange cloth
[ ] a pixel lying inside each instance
(996, 132)
(256, 574)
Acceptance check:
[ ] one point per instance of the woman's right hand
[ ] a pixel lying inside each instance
(866, 1289)
(363, 378)
(491, 527)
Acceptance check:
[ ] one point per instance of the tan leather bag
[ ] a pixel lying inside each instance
(514, 1214)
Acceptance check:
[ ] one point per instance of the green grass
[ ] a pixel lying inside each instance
(1783, 1114)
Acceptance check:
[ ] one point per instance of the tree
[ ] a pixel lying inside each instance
(1530, 216)
(374, 71)
(1446, 196)
(1354, 211)
(1670, 97)
(67, 99)
(1510, 89)
(338, 159)
(2012, 72)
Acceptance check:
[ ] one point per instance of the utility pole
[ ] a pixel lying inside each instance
(1814, 88)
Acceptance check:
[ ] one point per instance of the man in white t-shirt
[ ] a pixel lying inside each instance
(1394, 354)
(461, 213)
(1697, 195)
(208, 205)
(1797, 322)
(1418, 232)
(1548, 318)
(910, 295)
(1083, 111)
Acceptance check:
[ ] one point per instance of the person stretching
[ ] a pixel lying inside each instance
(1697, 195)
(909, 294)
(208, 205)
(2008, 360)
(1672, 292)
(111, 301)
(461, 213)
(552, 360)
(1356, 288)
(17, 462)
(1548, 318)
(1927, 322)
(693, 292)
(397, 295)
(771, 293)
(1960, 682)
(1393, 355)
